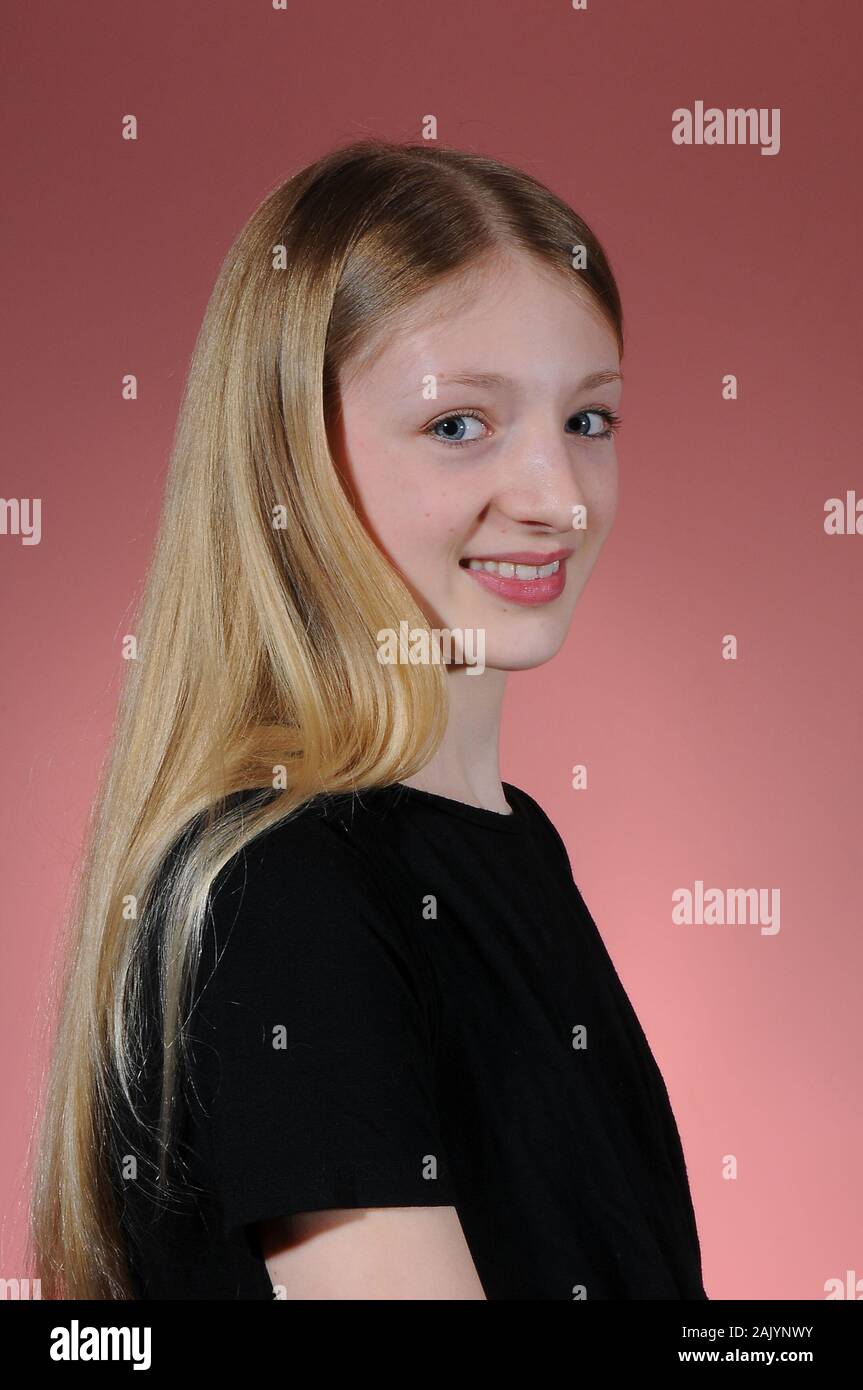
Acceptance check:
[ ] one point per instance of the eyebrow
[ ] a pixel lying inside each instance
(479, 379)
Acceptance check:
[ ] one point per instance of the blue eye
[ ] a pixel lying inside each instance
(454, 423)
(612, 421)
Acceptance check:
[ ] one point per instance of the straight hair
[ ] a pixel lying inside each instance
(256, 684)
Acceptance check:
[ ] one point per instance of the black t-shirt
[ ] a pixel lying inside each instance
(404, 1001)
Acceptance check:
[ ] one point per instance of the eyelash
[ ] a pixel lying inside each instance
(614, 421)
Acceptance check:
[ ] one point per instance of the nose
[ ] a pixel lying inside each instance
(538, 484)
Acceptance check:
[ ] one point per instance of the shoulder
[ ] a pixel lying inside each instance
(308, 858)
(301, 905)
(544, 827)
(314, 1032)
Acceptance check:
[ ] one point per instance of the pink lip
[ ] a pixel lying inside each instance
(528, 592)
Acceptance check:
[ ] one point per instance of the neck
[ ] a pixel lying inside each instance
(466, 765)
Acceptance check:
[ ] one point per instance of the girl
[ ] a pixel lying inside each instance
(337, 1023)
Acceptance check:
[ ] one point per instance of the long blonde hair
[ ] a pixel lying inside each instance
(256, 668)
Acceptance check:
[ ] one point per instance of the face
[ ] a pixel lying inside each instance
(492, 497)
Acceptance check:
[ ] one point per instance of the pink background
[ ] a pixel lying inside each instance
(741, 773)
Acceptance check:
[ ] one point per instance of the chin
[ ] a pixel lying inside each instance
(523, 655)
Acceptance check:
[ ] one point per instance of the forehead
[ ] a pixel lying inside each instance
(511, 313)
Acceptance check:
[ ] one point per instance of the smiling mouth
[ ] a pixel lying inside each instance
(506, 569)
(518, 581)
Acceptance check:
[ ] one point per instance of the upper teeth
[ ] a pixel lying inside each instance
(507, 570)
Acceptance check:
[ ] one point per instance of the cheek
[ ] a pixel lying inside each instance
(601, 499)
(388, 505)
(414, 518)
(431, 514)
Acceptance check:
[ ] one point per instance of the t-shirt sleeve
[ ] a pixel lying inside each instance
(317, 1021)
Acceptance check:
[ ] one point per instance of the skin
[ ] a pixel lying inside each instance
(513, 485)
